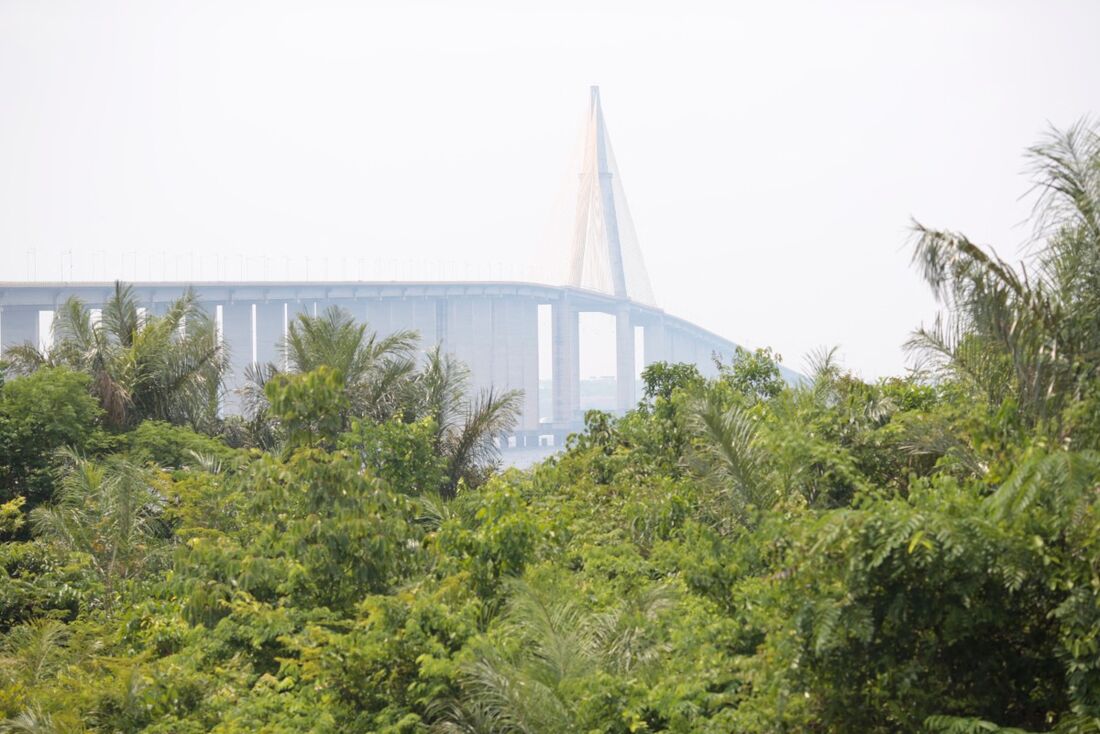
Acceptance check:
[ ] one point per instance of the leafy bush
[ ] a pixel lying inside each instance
(40, 413)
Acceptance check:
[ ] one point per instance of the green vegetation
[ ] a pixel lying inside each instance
(735, 554)
(141, 366)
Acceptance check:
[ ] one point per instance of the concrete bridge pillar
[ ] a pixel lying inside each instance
(516, 354)
(18, 326)
(469, 334)
(270, 331)
(236, 334)
(440, 325)
(624, 360)
(680, 348)
(530, 358)
(460, 328)
(504, 374)
(402, 317)
(704, 358)
(378, 316)
(425, 313)
(655, 343)
(480, 357)
(566, 356)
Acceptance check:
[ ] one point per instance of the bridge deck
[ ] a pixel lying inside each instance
(491, 325)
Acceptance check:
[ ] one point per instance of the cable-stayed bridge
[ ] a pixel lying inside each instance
(493, 326)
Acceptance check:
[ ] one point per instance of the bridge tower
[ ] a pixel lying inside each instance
(604, 256)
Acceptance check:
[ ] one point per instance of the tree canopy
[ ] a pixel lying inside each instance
(912, 554)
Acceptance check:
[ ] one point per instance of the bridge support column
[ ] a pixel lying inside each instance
(378, 316)
(566, 355)
(402, 316)
(624, 361)
(680, 350)
(704, 358)
(425, 314)
(270, 331)
(505, 341)
(236, 335)
(516, 354)
(656, 343)
(480, 357)
(441, 333)
(530, 360)
(458, 328)
(18, 326)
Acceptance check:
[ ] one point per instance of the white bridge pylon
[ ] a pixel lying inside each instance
(604, 256)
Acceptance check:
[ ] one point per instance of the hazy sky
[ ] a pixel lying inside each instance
(773, 153)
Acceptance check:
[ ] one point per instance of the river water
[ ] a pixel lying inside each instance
(523, 458)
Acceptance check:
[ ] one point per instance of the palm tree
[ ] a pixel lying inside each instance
(376, 369)
(30, 721)
(793, 446)
(383, 383)
(33, 652)
(142, 366)
(1030, 333)
(107, 512)
(725, 451)
(465, 425)
(559, 643)
(261, 430)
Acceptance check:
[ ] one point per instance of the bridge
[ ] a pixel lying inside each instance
(493, 326)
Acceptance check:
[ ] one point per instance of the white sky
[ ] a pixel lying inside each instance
(772, 153)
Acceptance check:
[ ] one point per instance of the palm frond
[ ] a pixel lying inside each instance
(995, 310)
(253, 398)
(23, 359)
(555, 643)
(34, 651)
(1065, 170)
(956, 269)
(442, 385)
(30, 721)
(121, 316)
(108, 512)
(470, 449)
(725, 450)
(76, 339)
(1059, 479)
(376, 369)
(553, 628)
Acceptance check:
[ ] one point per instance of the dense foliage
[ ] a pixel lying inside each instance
(735, 554)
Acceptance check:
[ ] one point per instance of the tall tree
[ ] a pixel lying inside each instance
(376, 369)
(382, 382)
(110, 514)
(531, 687)
(39, 414)
(142, 366)
(1030, 333)
(465, 424)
